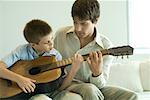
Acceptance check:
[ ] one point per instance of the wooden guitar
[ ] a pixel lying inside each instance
(47, 69)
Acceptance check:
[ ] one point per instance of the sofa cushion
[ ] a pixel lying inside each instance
(126, 75)
(145, 74)
(144, 95)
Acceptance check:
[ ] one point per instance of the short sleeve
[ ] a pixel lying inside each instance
(11, 58)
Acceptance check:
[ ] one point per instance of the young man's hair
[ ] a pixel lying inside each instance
(35, 30)
(86, 10)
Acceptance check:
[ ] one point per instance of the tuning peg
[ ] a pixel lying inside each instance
(127, 56)
(117, 57)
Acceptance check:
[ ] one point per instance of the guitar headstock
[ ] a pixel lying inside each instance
(121, 51)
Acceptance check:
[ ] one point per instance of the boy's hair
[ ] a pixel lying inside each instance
(86, 10)
(35, 30)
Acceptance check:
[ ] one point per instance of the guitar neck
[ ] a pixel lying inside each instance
(104, 52)
(115, 51)
(68, 61)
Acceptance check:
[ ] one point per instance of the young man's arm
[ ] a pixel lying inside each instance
(26, 84)
(101, 80)
(75, 67)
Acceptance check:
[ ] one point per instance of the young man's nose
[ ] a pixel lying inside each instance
(50, 43)
(78, 28)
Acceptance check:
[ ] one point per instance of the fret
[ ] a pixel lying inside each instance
(105, 52)
(58, 63)
(66, 61)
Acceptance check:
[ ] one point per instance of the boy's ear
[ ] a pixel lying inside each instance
(32, 44)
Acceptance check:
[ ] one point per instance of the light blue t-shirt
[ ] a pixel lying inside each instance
(26, 52)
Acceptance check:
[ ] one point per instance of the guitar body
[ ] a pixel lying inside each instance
(9, 88)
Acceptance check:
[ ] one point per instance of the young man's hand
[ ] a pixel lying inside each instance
(77, 60)
(95, 61)
(26, 84)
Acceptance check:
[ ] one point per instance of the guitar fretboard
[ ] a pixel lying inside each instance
(116, 51)
(69, 60)
(64, 62)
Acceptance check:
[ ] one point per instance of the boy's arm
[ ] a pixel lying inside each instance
(26, 84)
(75, 67)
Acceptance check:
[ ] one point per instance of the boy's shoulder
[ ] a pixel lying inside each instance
(23, 47)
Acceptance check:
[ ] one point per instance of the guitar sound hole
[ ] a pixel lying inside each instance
(35, 70)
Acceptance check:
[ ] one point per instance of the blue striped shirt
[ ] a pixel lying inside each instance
(26, 52)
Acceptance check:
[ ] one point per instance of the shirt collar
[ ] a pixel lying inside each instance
(97, 38)
(32, 51)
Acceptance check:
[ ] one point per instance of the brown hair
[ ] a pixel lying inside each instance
(35, 30)
(86, 10)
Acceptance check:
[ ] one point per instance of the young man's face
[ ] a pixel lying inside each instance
(83, 28)
(46, 43)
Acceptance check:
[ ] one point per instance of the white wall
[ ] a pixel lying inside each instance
(113, 22)
(0, 29)
(15, 14)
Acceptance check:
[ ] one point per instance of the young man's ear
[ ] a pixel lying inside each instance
(96, 20)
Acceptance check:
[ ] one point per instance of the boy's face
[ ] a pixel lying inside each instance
(83, 28)
(45, 45)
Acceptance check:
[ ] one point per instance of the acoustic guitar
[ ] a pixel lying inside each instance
(46, 69)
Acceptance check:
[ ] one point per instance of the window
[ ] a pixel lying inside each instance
(139, 25)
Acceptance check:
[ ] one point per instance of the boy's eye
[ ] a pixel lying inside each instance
(48, 42)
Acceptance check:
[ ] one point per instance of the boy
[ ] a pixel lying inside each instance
(40, 43)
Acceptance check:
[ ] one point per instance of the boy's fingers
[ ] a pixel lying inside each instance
(31, 88)
(24, 90)
(33, 85)
(33, 80)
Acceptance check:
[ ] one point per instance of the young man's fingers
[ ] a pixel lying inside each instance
(88, 60)
(94, 56)
(99, 53)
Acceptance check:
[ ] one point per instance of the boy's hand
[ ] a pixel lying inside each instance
(77, 60)
(26, 84)
(95, 61)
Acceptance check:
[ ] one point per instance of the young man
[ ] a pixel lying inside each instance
(40, 43)
(84, 38)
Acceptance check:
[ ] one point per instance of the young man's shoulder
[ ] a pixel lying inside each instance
(106, 41)
(65, 29)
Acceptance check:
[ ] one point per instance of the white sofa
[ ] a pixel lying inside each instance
(132, 75)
